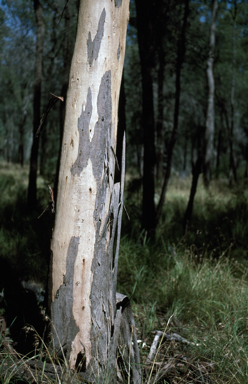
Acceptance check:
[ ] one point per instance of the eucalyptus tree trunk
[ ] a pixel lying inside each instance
(32, 187)
(209, 132)
(87, 314)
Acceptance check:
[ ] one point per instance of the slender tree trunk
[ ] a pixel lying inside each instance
(86, 313)
(218, 150)
(196, 170)
(185, 151)
(160, 146)
(67, 56)
(232, 167)
(147, 52)
(209, 132)
(43, 151)
(180, 58)
(140, 159)
(32, 187)
(21, 139)
(246, 163)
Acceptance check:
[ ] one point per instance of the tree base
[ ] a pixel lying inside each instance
(127, 362)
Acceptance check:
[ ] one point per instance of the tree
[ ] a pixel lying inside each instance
(204, 156)
(32, 187)
(145, 23)
(67, 54)
(209, 132)
(87, 322)
(181, 48)
(232, 167)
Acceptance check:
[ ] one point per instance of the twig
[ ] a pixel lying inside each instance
(163, 333)
(153, 347)
(175, 337)
(126, 212)
(43, 211)
(62, 13)
(50, 104)
(51, 203)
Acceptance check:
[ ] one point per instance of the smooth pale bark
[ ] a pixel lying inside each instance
(32, 187)
(209, 132)
(84, 266)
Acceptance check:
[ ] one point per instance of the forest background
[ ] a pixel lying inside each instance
(175, 259)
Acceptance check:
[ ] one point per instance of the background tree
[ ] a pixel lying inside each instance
(204, 150)
(232, 166)
(181, 47)
(32, 187)
(146, 29)
(209, 132)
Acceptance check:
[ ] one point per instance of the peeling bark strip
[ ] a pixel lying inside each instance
(94, 46)
(63, 303)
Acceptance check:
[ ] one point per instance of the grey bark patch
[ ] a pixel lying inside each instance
(99, 153)
(118, 3)
(96, 148)
(93, 47)
(119, 51)
(62, 306)
(84, 141)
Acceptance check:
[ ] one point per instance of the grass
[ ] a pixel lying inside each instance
(200, 279)
(210, 304)
(194, 285)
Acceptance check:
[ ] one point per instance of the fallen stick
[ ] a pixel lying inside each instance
(166, 337)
